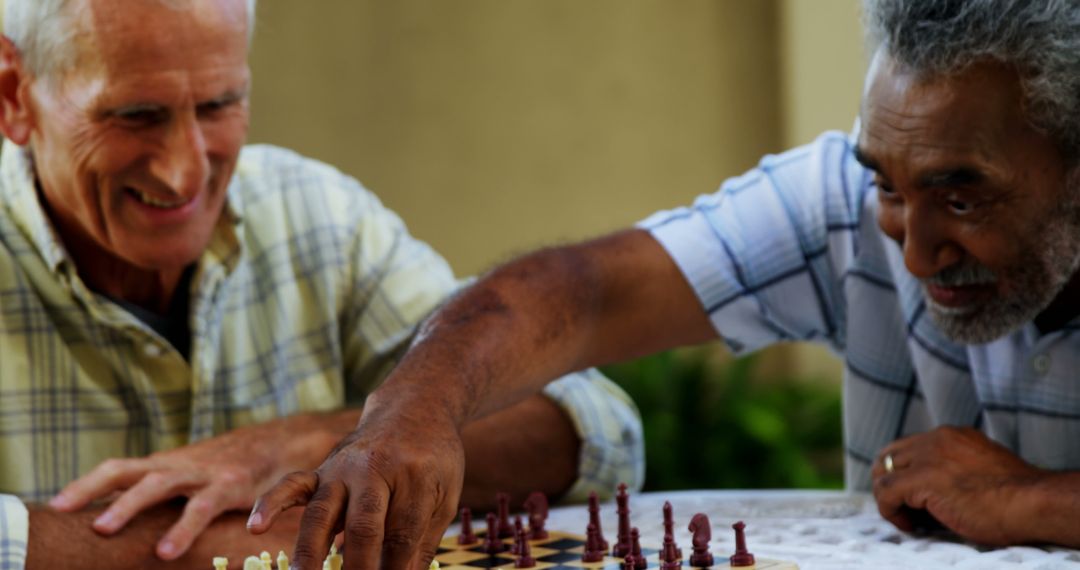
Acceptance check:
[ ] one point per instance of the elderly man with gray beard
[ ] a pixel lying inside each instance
(184, 320)
(936, 248)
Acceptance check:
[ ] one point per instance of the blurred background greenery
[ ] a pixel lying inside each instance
(716, 422)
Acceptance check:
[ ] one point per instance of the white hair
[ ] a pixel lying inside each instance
(43, 31)
(1040, 38)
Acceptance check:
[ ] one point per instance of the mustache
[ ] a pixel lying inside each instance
(962, 275)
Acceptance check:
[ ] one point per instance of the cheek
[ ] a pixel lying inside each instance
(891, 221)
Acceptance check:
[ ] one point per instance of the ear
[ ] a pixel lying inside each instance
(16, 118)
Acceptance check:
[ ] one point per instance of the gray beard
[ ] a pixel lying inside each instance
(1033, 283)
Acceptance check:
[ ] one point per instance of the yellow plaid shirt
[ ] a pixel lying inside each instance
(309, 291)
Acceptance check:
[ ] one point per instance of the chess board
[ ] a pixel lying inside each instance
(562, 551)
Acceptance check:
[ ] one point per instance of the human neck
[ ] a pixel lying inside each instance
(118, 279)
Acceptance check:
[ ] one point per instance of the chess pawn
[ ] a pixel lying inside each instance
(630, 562)
(505, 529)
(640, 562)
(492, 544)
(524, 551)
(515, 549)
(467, 536)
(537, 506)
(592, 547)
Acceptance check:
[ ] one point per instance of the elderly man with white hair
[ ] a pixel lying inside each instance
(184, 317)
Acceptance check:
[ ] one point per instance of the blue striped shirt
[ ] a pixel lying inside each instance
(791, 251)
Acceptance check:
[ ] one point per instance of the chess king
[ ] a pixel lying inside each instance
(936, 247)
(184, 317)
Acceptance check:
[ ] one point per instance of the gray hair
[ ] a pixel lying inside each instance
(1039, 38)
(43, 31)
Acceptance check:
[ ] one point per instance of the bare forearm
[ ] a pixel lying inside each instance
(542, 316)
(531, 446)
(1051, 509)
(66, 540)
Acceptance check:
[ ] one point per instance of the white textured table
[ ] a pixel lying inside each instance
(819, 530)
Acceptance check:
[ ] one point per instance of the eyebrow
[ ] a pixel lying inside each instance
(862, 158)
(944, 178)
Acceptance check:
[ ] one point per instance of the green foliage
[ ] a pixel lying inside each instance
(710, 426)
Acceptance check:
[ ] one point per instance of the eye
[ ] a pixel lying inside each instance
(211, 107)
(960, 207)
(140, 116)
(885, 191)
(215, 106)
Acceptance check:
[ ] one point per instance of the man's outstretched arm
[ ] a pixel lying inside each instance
(67, 540)
(393, 485)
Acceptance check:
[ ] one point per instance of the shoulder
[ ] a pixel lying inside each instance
(271, 182)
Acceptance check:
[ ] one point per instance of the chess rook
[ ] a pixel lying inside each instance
(742, 557)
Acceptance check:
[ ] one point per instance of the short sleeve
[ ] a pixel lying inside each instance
(766, 253)
(14, 532)
(609, 425)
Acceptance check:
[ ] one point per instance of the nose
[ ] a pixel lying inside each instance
(182, 163)
(927, 247)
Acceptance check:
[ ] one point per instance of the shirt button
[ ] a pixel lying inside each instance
(1041, 363)
(152, 350)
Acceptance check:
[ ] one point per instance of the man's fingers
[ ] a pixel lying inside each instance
(198, 513)
(294, 490)
(319, 524)
(364, 525)
(429, 544)
(152, 489)
(410, 515)
(109, 476)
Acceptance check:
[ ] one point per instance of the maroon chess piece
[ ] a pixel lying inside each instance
(505, 529)
(742, 556)
(669, 526)
(594, 518)
(640, 562)
(537, 505)
(467, 536)
(492, 544)
(699, 525)
(517, 529)
(592, 553)
(524, 551)
(630, 562)
(622, 502)
(669, 559)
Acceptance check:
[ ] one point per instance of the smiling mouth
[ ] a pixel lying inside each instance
(156, 202)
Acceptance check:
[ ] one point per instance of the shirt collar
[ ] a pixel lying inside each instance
(18, 192)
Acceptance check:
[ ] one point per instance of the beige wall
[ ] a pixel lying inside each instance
(496, 126)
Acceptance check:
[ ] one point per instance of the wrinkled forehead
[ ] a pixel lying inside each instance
(978, 104)
(134, 36)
